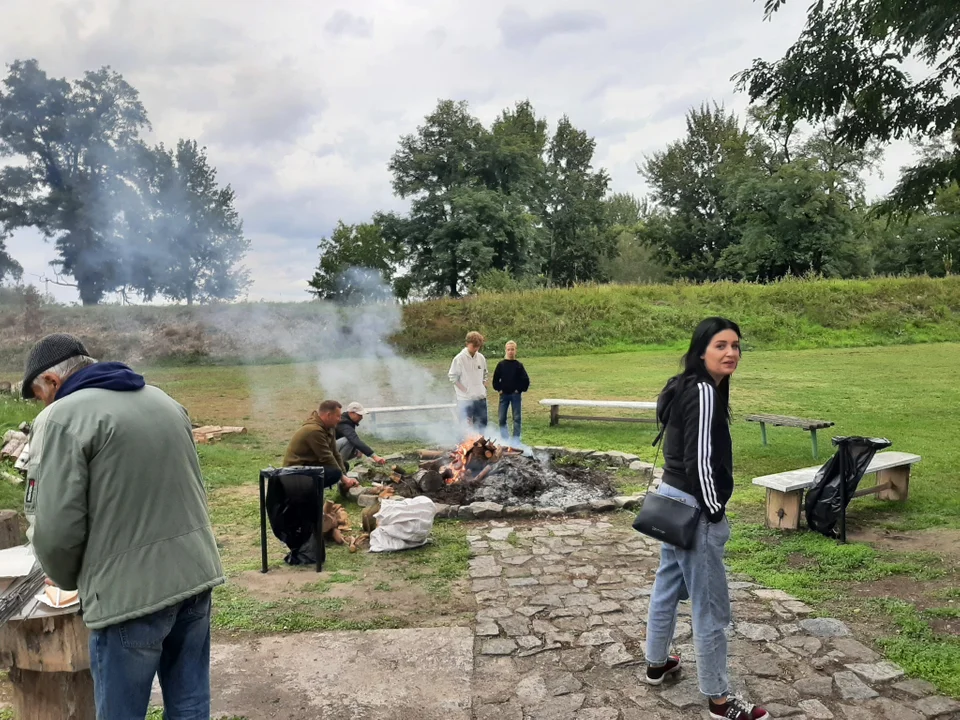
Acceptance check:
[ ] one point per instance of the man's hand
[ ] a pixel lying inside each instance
(48, 581)
(349, 482)
(378, 460)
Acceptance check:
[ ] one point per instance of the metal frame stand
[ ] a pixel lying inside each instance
(318, 540)
(841, 448)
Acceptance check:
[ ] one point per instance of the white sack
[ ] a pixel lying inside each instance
(403, 524)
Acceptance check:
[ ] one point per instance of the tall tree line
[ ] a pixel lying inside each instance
(775, 194)
(123, 216)
(511, 199)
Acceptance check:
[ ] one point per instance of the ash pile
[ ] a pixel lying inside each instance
(480, 470)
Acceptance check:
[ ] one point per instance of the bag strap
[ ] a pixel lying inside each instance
(657, 442)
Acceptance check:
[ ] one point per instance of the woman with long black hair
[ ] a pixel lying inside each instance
(694, 409)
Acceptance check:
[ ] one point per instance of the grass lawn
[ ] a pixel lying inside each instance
(899, 585)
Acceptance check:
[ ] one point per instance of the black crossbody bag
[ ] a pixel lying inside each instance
(665, 518)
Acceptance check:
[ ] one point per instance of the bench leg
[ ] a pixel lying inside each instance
(763, 433)
(813, 439)
(783, 509)
(554, 415)
(899, 479)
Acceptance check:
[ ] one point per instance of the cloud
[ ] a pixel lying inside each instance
(520, 30)
(345, 24)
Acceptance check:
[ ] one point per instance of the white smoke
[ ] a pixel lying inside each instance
(355, 360)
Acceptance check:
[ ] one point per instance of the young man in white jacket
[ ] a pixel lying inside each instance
(468, 373)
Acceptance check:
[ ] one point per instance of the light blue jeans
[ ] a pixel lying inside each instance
(696, 574)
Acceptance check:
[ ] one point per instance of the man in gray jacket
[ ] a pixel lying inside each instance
(120, 514)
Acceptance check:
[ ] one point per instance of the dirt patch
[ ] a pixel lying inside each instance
(930, 594)
(422, 587)
(378, 591)
(942, 542)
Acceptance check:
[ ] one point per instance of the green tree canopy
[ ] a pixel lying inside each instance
(852, 65)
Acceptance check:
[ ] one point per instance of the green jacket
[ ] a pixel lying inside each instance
(313, 445)
(118, 501)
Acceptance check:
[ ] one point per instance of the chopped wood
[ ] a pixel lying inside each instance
(431, 454)
(14, 443)
(358, 541)
(212, 433)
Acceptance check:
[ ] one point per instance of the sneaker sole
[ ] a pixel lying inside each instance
(668, 673)
(765, 716)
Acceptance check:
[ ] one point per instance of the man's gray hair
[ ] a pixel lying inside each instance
(65, 369)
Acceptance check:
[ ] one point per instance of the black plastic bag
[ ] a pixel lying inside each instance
(293, 508)
(825, 500)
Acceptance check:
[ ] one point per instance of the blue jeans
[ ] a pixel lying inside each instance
(512, 401)
(173, 643)
(697, 574)
(474, 414)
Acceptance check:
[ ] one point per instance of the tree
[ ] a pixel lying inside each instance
(355, 263)
(194, 233)
(926, 242)
(690, 181)
(438, 168)
(76, 142)
(473, 195)
(632, 260)
(791, 222)
(9, 268)
(849, 66)
(573, 212)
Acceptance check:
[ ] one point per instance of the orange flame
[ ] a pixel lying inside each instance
(458, 463)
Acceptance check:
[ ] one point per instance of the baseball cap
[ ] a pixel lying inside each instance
(357, 408)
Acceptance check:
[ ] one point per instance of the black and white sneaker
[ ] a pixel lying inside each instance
(736, 708)
(656, 675)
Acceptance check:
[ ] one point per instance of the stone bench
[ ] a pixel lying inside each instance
(810, 426)
(785, 489)
(373, 412)
(555, 406)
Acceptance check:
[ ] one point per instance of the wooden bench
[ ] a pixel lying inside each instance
(785, 490)
(555, 406)
(810, 426)
(372, 412)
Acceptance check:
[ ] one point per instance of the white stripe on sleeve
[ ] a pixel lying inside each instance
(705, 449)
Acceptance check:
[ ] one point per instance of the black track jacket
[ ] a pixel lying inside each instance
(697, 449)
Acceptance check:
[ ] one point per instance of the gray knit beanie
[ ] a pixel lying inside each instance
(49, 351)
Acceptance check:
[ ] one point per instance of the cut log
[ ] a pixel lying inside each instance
(431, 454)
(10, 535)
(53, 695)
(49, 661)
(14, 443)
(429, 481)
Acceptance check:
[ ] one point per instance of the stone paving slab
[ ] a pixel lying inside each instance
(561, 621)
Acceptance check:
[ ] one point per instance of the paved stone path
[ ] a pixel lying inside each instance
(560, 629)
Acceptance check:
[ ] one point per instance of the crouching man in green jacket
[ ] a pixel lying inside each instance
(119, 513)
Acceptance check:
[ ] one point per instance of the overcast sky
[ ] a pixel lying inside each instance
(301, 104)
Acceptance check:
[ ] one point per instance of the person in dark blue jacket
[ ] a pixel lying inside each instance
(510, 379)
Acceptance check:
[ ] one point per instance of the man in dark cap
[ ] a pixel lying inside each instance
(119, 513)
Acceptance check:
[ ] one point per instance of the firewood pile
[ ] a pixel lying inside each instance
(16, 447)
(207, 434)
